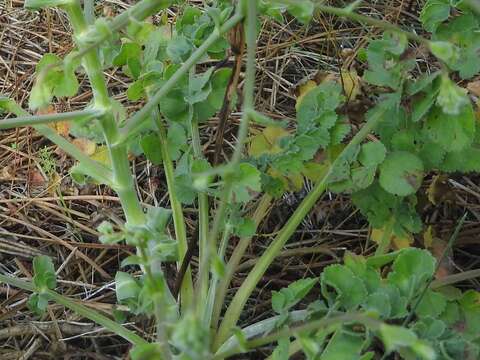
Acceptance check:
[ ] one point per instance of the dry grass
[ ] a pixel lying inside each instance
(45, 212)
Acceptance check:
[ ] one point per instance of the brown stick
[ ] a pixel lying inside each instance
(237, 42)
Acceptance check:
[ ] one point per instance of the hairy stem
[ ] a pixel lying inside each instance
(31, 120)
(122, 176)
(78, 308)
(248, 105)
(236, 306)
(186, 289)
(235, 259)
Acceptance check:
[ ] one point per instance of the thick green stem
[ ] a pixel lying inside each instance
(79, 309)
(291, 331)
(203, 212)
(235, 259)
(135, 123)
(236, 306)
(31, 120)
(122, 176)
(186, 290)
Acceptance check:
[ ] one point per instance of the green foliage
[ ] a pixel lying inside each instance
(390, 292)
(52, 80)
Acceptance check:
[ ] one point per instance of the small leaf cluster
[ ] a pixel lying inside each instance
(438, 324)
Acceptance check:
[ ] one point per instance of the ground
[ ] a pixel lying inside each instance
(44, 211)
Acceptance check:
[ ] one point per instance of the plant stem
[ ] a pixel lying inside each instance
(235, 259)
(371, 21)
(138, 12)
(249, 89)
(30, 120)
(79, 309)
(186, 289)
(203, 210)
(135, 123)
(236, 306)
(310, 326)
(122, 176)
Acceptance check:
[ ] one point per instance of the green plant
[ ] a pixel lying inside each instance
(421, 123)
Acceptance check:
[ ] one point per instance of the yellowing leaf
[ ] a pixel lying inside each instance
(303, 90)
(439, 191)
(267, 141)
(101, 155)
(315, 171)
(86, 146)
(377, 236)
(61, 127)
(428, 237)
(351, 83)
(293, 182)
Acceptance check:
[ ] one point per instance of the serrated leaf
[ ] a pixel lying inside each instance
(452, 132)
(401, 173)
(380, 303)
(431, 305)
(247, 180)
(433, 13)
(451, 98)
(411, 270)
(151, 148)
(350, 291)
(343, 345)
(288, 297)
(128, 51)
(372, 153)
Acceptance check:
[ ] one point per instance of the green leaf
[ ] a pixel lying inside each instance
(411, 270)
(288, 297)
(431, 305)
(372, 153)
(44, 273)
(401, 173)
(363, 176)
(421, 105)
(343, 345)
(128, 51)
(380, 303)
(451, 98)
(147, 351)
(462, 32)
(302, 10)
(470, 306)
(466, 161)
(349, 289)
(176, 140)
(126, 287)
(395, 337)
(179, 49)
(247, 180)
(150, 145)
(444, 51)
(429, 328)
(433, 13)
(38, 303)
(452, 132)
(317, 108)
